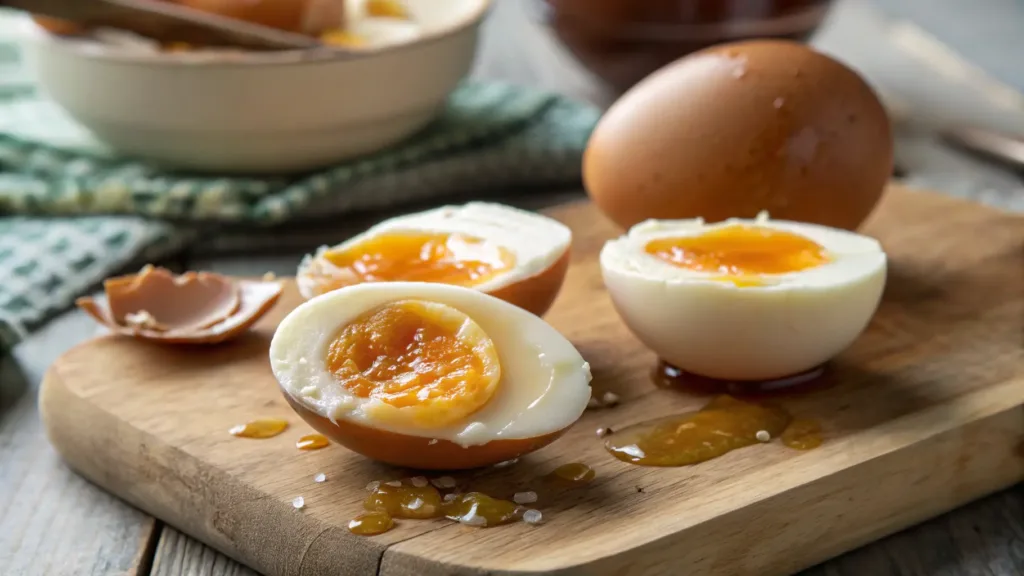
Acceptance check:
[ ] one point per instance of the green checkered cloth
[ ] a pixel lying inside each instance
(75, 212)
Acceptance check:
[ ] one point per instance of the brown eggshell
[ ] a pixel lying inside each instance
(57, 26)
(417, 451)
(188, 302)
(254, 299)
(733, 130)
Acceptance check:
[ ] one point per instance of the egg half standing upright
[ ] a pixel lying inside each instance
(428, 375)
(744, 300)
(513, 254)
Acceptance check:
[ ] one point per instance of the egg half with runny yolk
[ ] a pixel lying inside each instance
(515, 255)
(428, 375)
(745, 300)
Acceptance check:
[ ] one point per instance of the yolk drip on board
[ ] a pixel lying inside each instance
(723, 425)
(574, 473)
(802, 434)
(415, 257)
(262, 428)
(398, 499)
(668, 376)
(312, 442)
(740, 254)
(428, 360)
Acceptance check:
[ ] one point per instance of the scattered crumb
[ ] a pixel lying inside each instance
(594, 403)
(450, 497)
(321, 478)
(763, 436)
(524, 497)
(443, 482)
(506, 463)
(602, 432)
(419, 481)
(639, 489)
(269, 277)
(372, 486)
(610, 399)
(432, 442)
(416, 504)
(532, 517)
(395, 483)
(299, 503)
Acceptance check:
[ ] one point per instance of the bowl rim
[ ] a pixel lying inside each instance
(95, 51)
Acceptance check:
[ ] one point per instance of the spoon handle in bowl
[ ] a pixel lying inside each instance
(167, 22)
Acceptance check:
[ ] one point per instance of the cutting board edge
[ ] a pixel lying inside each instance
(1003, 422)
(152, 493)
(141, 491)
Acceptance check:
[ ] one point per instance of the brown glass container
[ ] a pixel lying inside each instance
(621, 41)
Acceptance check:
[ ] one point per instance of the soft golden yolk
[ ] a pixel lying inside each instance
(413, 257)
(427, 363)
(741, 252)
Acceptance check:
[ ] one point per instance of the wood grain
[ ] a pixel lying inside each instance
(927, 417)
(52, 521)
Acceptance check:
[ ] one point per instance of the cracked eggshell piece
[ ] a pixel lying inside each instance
(543, 390)
(783, 325)
(194, 308)
(539, 245)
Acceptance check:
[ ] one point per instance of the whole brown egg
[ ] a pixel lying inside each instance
(736, 129)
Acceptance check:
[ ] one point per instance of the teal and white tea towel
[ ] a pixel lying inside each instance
(75, 212)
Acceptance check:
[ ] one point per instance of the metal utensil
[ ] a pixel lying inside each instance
(999, 146)
(167, 22)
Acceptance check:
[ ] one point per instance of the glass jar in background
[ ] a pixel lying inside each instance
(622, 41)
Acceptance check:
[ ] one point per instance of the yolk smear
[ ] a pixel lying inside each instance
(414, 257)
(428, 363)
(343, 38)
(739, 253)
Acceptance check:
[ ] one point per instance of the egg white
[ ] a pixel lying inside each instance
(536, 241)
(544, 386)
(791, 323)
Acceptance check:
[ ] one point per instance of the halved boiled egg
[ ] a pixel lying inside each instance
(428, 375)
(518, 256)
(744, 299)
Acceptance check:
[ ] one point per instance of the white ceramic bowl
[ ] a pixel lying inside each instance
(261, 112)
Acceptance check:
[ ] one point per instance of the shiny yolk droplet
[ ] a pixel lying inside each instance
(575, 472)
(343, 38)
(477, 509)
(722, 426)
(428, 363)
(740, 253)
(312, 442)
(412, 257)
(371, 523)
(262, 428)
(405, 501)
(802, 434)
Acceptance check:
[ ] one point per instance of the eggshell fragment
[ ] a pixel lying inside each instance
(187, 302)
(194, 308)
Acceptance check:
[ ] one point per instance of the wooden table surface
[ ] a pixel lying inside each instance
(54, 523)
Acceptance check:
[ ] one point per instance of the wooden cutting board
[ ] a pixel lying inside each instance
(928, 413)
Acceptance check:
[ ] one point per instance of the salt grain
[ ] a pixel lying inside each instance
(450, 497)
(372, 486)
(236, 430)
(416, 504)
(602, 432)
(524, 497)
(763, 436)
(395, 483)
(419, 481)
(432, 442)
(298, 503)
(444, 482)
(610, 398)
(532, 516)
(321, 478)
